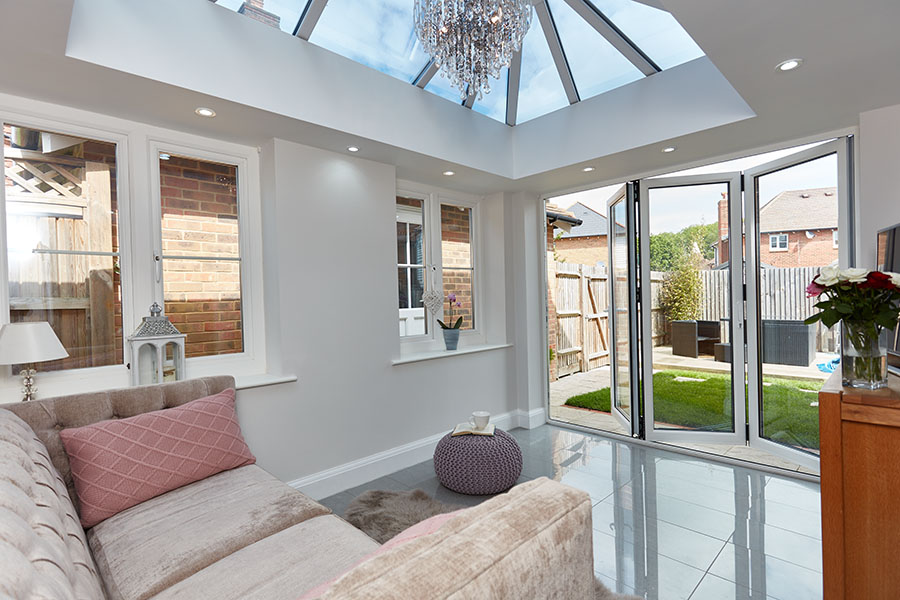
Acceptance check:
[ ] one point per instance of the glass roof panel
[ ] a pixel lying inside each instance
(596, 65)
(540, 90)
(441, 86)
(378, 34)
(494, 104)
(654, 31)
(281, 13)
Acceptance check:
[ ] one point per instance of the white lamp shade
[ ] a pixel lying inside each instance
(29, 342)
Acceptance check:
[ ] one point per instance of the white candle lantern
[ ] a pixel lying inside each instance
(157, 350)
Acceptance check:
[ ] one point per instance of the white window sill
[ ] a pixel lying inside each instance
(421, 356)
(246, 382)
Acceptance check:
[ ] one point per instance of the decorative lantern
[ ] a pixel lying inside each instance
(157, 350)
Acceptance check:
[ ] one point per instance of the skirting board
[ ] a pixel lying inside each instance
(337, 479)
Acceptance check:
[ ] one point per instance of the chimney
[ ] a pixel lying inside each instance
(256, 11)
(722, 242)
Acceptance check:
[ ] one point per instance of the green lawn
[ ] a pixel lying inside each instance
(787, 416)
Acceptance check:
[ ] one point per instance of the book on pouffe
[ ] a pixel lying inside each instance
(469, 429)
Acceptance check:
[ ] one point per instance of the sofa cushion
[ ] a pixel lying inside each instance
(117, 464)
(43, 551)
(426, 527)
(532, 542)
(283, 565)
(48, 417)
(149, 547)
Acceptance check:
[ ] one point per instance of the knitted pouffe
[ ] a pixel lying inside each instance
(478, 464)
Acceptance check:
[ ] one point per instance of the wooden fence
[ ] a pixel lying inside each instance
(582, 300)
(59, 213)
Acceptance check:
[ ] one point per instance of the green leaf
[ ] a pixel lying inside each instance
(441, 323)
(458, 323)
(830, 317)
(843, 308)
(813, 319)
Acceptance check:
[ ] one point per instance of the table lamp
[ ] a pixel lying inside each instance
(26, 344)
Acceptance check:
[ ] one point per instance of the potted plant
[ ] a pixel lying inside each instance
(866, 303)
(451, 330)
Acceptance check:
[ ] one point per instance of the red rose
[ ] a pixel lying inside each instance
(879, 281)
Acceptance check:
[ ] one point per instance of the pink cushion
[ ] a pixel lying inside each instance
(421, 528)
(120, 463)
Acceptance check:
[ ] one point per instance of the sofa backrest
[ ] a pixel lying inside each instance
(43, 550)
(48, 417)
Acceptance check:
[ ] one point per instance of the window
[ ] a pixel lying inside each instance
(834, 238)
(458, 272)
(778, 242)
(201, 253)
(62, 242)
(435, 251)
(411, 266)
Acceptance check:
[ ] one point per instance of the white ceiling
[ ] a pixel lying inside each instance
(850, 52)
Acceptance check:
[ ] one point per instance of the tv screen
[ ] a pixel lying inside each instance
(887, 258)
(888, 252)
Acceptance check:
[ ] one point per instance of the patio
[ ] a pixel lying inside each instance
(596, 379)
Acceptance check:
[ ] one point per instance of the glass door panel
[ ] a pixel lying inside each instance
(693, 375)
(792, 216)
(624, 347)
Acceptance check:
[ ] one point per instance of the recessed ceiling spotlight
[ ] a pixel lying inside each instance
(449, 173)
(588, 169)
(205, 112)
(789, 64)
(352, 149)
(668, 149)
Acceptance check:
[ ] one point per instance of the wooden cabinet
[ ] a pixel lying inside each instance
(860, 469)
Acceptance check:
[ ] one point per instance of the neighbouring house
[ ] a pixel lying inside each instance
(583, 244)
(798, 228)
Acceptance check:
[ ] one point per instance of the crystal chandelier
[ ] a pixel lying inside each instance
(471, 40)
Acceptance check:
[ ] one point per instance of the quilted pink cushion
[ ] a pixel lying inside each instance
(426, 527)
(120, 463)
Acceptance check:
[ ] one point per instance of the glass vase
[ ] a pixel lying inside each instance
(863, 357)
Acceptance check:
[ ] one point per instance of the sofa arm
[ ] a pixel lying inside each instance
(533, 542)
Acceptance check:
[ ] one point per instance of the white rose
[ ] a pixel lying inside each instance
(854, 275)
(828, 276)
(895, 278)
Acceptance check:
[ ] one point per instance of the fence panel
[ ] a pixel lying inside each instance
(582, 304)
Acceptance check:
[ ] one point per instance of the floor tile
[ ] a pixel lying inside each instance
(666, 526)
(768, 575)
(716, 588)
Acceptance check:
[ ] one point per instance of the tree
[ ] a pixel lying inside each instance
(669, 250)
(681, 293)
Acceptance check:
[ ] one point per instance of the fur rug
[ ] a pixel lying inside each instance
(381, 515)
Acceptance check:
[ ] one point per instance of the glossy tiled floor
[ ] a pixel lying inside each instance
(668, 526)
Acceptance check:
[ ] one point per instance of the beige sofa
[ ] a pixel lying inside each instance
(244, 534)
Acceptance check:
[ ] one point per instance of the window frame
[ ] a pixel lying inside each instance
(137, 180)
(777, 237)
(116, 375)
(432, 199)
(248, 361)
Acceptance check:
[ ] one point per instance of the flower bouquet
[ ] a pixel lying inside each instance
(451, 328)
(866, 303)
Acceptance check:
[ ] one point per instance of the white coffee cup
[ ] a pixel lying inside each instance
(480, 419)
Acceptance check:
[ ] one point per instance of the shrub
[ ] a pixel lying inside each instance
(681, 292)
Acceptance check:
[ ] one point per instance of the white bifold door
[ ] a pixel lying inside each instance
(691, 325)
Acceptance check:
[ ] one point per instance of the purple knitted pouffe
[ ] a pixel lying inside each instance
(478, 464)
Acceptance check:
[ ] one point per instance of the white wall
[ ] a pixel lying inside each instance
(878, 202)
(330, 251)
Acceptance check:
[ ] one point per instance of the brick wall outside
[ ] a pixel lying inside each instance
(802, 251)
(456, 253)
(587, 250)
(199, 218)
(552, 322)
